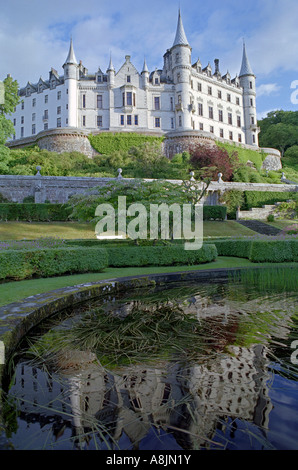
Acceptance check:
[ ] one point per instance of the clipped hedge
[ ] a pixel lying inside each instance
(238, 248)
(31, 212)
(259, 251)
(214, 212)
(274, 251)
(22, 264)
(159, 255)
(262, 198)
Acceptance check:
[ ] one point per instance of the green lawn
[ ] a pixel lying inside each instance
(73, 230)
(17, 290)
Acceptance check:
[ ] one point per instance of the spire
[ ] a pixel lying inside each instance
(71, 58)
(245, 67)
(111, 66)
(180, 38)
(145, 68)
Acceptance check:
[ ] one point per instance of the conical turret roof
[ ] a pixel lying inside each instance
(180, 38)
(245, 67)
(71, 58)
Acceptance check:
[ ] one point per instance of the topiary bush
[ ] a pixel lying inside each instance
(31, 212)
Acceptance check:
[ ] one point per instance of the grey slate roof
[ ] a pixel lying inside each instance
(180, 38)
(245, 67)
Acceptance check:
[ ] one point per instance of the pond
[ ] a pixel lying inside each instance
(202, 366)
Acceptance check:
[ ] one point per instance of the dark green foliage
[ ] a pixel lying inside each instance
(262, 198)
(259, 251)
(275, 251)
(214, 212)
(237, 248)
(159, 255)
(34, 212)
(108, 142)
(23, 264)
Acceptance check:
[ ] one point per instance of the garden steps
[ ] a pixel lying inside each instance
(260, 227)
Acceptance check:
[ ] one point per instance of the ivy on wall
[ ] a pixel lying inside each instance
(108, 142)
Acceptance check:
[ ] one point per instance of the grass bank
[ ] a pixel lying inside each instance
(18, 290)
(75, 230)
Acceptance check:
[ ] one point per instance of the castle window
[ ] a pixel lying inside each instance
(254, 138)
(250, 85)
(209, 90)
(128, 120)
(237, 101)
(229, 97)
(45, 126)
(22, 132)
(46, 114)
(220, 115)
(231, 135)
(180, 121)
(172, 123)
(84, 101)
(22, 105)
(22, 119)
(14, 122)
(33, 116)
(128, 78)
(156, 81)
(199, 86)
(251, 102)
(99, 101)
(230, 119)
(157, 122)
(221, 133)
(33, 129)
(212, 129)
(34, 102)
(219, 95)
(252, 120)
(201, 126)
(156, 103)
(178, 77)
(122, 119)
(238, 121)
(46, 98)
(129, 98)
(59, 110)
(200, 109)
(99, 121)
(136, 120)
(210, 112)
(239, 138)
(99, 78)
(58, 95)
(171, 103)
(58, 122)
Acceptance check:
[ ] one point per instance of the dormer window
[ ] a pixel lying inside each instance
(156, 81)
(99, 78)
(128, 79)
(53, 84)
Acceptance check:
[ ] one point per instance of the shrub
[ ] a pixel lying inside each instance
(214, 212)
(34, 212)
(270, 218)
(237, 248)
(160, 255)
(211, 160)
(273, 251)
(22, 264)
(108, 142)
(262, 198)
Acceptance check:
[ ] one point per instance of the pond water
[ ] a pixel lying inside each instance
(220, 374)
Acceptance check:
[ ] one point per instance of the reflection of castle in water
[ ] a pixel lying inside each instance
(189, 401)
(186, 402)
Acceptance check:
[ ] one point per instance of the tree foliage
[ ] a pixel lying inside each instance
(209, 160)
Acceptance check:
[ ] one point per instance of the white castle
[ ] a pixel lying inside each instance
(182, 97)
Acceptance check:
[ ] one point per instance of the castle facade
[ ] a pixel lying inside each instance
(181, 97)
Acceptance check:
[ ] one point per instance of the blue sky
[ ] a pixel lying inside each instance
(34, 36)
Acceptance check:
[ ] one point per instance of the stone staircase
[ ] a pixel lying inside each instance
(258, 213)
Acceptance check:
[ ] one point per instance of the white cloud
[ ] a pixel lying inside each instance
(267, 89)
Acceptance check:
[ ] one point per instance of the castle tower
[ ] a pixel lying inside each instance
(111, 73)
(181, 71)
(248, 83)
(71, 76)
(145, 76)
